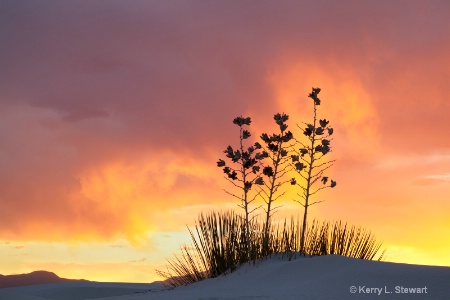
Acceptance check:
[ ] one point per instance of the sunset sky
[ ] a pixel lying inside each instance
(114, 113)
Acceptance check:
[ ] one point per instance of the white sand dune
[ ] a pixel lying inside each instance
(74, 290)
(325, 277)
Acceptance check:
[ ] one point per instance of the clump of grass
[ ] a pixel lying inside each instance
(220, 245)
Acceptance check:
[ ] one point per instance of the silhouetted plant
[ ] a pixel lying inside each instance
(277, 152)
(247, 171)
(221, 242)
(218, 247)
(338, 238)
(308, 161)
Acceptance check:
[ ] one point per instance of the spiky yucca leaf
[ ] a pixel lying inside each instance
(220, 245)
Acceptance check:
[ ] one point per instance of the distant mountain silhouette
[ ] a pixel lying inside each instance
(36, 277)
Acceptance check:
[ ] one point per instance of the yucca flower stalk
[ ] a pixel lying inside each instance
(309, 161)
(275, 171)
(247, 172)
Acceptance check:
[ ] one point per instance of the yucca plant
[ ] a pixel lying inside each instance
(219, 245)
(339, 238)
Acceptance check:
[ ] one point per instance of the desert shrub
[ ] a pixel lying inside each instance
(220, 245)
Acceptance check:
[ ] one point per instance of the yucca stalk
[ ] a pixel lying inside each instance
(245, 174)
(275, 146)
(311, 169)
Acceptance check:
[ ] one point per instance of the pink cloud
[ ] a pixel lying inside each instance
(118, 112)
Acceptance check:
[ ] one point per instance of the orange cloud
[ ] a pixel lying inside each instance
(345, 102)
(101, 141)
